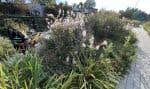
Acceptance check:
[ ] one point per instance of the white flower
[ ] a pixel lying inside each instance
(97, 47)
(104, 42)
(84, 33)
(83, 45)
(91, 40)
(67, 59)
(74, 62)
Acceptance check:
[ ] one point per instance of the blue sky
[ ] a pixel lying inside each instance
(117, 4)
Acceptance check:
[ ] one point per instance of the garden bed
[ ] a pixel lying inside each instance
(71, 60)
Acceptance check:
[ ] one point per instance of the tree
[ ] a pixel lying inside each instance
(134, 14)
(81, 6)
(46, 2)
(90, 4)
(19, 1)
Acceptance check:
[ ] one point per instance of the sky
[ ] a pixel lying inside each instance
(117, 5)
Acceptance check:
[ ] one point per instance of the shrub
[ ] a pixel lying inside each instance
(13, 9)
(63, 44)
(3, 31)
(6, 48)
(108, 26)
(122, 54)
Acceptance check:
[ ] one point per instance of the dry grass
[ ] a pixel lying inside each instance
(146, 26)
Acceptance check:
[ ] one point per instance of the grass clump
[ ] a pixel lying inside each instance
(22, 71)
(146, 26)
(26, 71)
(6, 48)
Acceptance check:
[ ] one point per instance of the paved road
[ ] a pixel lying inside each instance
(139, 75)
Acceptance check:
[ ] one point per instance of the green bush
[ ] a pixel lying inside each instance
(108, 25)
(64, 43)
(122, 54)
(13, 9)
(6, 48)
(3, 31)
